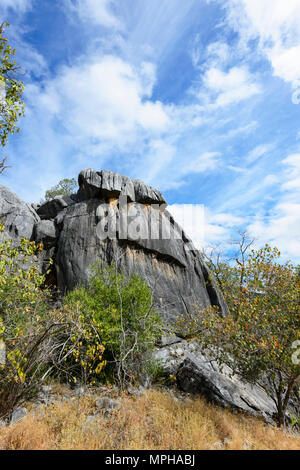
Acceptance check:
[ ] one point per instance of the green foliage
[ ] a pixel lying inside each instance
(121, 311)
(11, 89)
(65, 187)
(37, 339)
(23, 306)
(257, 336)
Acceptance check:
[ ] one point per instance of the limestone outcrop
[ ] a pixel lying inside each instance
(115, 218)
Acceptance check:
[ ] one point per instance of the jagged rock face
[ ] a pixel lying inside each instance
(170, 265)
(50, 209)
(142, 238)
(99, 184)
(18, 217)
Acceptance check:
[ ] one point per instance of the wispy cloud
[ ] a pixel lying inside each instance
(277, 26)
(16, 5)
(99, 12)
(258, 152)
(281, 226)
(204, 162)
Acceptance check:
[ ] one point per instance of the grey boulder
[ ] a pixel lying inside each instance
(18, 217)
(18, 414)
(50, 209)
(45, 232)
(106, 403)
(145, 194)
(199, 375)
(107, 184)
(101, 184)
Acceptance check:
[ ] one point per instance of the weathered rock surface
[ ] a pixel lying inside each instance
(45, 232)
(107, 403)
(145, 239)
(18, 414)
(171, 268)
(198, 375)
(50, 209)
(18, 217)
(101, 184)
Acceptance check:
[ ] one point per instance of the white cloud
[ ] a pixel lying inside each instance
(104, 100)
(216, 54)
(158, 156)
(16, 5)
(219, 227)
(204, 227)
(292, 176)
(286, 63)
(271, 20)
(258, 152)
(191, 218)
(96, 11)
(206, 161)
(277, 25)
(281, 227)
(231, 87)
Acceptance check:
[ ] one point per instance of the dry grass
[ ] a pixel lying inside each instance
(152, 421)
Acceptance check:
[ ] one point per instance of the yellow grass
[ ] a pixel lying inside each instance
(152, 421)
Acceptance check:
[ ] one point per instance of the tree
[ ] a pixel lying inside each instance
(65, 187)
(11, 90)
(230, 273)
(257, 337)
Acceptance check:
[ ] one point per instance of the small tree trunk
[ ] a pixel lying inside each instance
(280, 405)
(281, 415)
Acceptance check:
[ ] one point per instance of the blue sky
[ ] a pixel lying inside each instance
(200, 99)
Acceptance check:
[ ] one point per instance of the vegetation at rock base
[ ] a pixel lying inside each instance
(156, 420)
(65, 187)
(112, 319)
(11, 90)
(121, 309)
(259, 337)
(39, 337)
(111, 323)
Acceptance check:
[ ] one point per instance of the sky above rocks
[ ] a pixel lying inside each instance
(198, 98)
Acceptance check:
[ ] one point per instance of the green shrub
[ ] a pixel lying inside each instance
(121, 309)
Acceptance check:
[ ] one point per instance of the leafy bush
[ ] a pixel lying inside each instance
(121, 310)
(258, 336)
(36, 338)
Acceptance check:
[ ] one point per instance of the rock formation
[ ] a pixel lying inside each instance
(113, 217)
(70, 226)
